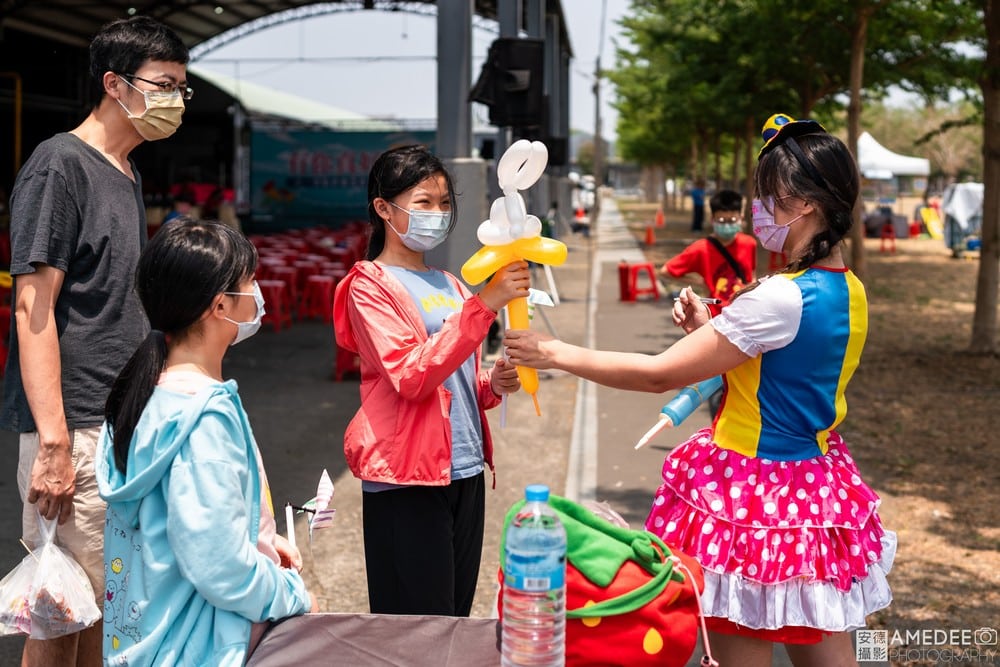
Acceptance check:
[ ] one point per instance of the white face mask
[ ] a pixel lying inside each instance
(162, 115)
(426, 230)
(246, 329)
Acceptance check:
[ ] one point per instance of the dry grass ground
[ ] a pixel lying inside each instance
(922, 423)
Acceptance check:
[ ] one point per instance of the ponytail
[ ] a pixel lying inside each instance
(131, 391)
(376, 240)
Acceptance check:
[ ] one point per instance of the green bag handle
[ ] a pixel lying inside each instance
(598, 549)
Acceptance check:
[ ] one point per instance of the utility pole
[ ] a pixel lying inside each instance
(598, 139)
(598, 145)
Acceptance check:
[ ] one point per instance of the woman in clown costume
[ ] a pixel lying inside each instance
(768, 499)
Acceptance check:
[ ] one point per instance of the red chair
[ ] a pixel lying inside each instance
(290, 275)
(317, 297)
(888, 234)
(345, 363)
(277, 303)
(632, 289)
(777, 260)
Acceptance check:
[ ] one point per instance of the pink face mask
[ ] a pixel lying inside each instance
(770, 234)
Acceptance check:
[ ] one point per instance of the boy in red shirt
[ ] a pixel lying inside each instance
(727, 259)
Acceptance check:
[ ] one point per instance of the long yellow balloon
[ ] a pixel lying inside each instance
(490, 259)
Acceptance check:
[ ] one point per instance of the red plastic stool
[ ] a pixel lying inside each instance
(888, 234)
(777, 260)
(277, 303)
(633, 291)
(345, 363)
(317, 297)
(290, 275)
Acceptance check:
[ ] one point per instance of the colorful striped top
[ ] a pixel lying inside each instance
(805, 332)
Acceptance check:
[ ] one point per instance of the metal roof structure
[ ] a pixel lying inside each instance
(198, 21)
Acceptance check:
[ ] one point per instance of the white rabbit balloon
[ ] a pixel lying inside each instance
(519, 167)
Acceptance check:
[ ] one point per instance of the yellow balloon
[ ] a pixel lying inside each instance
(486, 261)
(541, 250)
(517, 313)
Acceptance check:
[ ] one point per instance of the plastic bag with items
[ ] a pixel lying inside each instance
(48, 594)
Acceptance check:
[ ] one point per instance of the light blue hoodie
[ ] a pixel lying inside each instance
(184, 576)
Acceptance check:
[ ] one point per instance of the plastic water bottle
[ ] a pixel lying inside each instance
(534, 569)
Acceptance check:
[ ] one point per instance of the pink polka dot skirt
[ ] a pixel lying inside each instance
(769, 522)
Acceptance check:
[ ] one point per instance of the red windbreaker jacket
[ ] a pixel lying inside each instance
(402, 433)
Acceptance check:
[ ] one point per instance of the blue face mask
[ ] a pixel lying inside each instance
(426, 230)
(246, 329)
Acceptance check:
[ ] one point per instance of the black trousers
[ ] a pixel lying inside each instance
(423, 545)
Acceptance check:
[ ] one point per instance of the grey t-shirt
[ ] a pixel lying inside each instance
(73, 210)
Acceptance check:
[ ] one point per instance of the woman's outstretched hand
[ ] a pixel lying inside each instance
(689, 312)
(510, 282)
(529, 348)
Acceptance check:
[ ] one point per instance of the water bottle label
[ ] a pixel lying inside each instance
(533, 574)
(535, 584)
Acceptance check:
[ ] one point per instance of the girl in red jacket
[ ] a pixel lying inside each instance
(420, 442)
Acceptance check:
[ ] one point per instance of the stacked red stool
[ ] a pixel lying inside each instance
(317, 297)
(277, 303)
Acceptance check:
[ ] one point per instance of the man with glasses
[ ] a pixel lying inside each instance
(77, 225)
(727, 259)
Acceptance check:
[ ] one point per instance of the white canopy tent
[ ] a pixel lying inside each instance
(878, 162)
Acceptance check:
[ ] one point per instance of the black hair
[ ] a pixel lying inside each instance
(181, 270)
(726, 200)
(125, 45)
(833, 194)
(395, 171)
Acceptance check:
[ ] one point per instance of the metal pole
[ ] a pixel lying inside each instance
(454, 72)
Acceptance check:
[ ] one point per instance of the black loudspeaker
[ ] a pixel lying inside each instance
(488, 149)
(511, 82)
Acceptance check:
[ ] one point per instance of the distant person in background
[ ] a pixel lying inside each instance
(183, 203)
(727, 259)
(78, 225)
(698, 205)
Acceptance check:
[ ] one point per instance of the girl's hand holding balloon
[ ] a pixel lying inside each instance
(530, 348)
(689, 312)
(504, 379)
(510, 282)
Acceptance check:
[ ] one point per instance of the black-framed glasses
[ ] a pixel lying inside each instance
(166, 87)
(730, 220)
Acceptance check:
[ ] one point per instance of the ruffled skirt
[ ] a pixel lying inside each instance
(782, 543)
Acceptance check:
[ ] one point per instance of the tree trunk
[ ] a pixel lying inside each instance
(717, 147)
(859, 35)
(737, 145)
(984, 321)
(750, 136)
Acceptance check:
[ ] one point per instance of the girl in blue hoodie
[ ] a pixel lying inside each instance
(193, 562)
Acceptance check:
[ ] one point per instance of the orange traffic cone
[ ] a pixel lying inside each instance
(650, 236)
(659, 217)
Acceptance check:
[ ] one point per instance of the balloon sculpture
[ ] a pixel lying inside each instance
(511, 235)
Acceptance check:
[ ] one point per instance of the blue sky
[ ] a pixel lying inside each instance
(380, 64)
